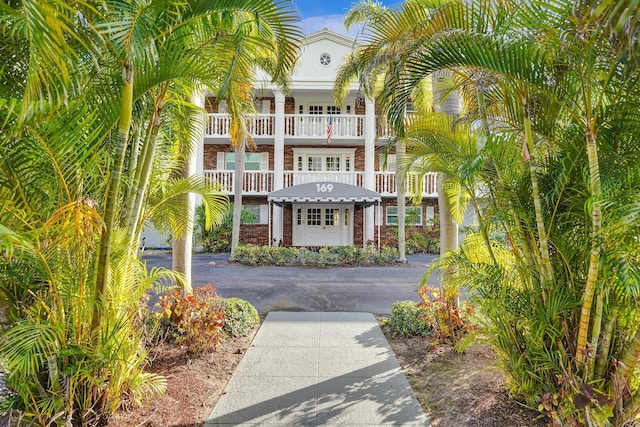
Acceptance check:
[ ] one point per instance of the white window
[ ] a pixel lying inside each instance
(413, 215)
(315, 109)
(333, 109)
(252, 161)
(332, 163)
(323, 160)
(430, 214)
(314, 216)
(314, 163)
(410, 108)
(388, 164)
(331, 216)
(261, 213)
(325, 59)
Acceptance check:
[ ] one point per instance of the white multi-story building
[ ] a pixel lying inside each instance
(307, 189)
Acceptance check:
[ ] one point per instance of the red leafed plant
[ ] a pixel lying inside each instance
(449, 322)
(198, 318)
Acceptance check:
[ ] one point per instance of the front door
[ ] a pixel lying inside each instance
(322, 225)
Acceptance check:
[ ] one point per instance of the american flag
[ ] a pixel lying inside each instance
(329, 130)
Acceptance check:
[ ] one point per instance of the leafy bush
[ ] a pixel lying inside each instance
(240, 317)
(337, 255)
(218, 238)
(198, 319)
(408, 318)
(448, 321)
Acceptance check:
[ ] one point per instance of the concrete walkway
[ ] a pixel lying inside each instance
(318, 369)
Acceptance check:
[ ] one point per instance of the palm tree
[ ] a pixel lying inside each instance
(75, 190)
(270, 43)
(565, 88)
(374, 63)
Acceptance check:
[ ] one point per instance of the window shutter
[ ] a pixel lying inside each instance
(220, 163)
(264, 214)
(264, 161)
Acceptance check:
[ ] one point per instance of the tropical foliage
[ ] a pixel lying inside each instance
(217, 239)
(240, 317)
(408, 319)
(546, 154)
(325, 256)
(95, 125)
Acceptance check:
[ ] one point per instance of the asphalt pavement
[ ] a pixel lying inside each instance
(371, 289)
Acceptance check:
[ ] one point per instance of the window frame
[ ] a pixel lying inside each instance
(389, 215)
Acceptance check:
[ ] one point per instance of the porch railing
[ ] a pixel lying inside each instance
(344, 126)
(295, 178)
(261, 182)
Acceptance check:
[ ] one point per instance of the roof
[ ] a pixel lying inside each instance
(324, 192)
(327, 34)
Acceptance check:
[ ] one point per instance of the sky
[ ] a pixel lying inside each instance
(317, 14)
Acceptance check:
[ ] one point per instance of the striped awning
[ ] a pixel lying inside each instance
(324, 192)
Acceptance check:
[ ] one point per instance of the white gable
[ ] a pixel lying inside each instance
(321, 56)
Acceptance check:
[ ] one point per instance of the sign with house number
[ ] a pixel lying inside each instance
(324, 188)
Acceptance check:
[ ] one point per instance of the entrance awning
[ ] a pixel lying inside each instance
(324, 192)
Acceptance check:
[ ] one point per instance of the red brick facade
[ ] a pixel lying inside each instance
(258, 234)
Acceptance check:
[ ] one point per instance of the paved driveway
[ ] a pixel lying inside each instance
(357, 289)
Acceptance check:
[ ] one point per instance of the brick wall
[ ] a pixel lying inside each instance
(254, 234)
(287, 225)
(258, 234)
(358, 222)
(289, 105)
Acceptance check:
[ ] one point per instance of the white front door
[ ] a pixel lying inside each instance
(322, 225)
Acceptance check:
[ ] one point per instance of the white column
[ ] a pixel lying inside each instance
(278, 162)
(369, 165)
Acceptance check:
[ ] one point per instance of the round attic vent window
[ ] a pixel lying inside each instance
(325, 59)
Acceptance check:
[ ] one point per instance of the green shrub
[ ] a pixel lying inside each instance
(408, 319)
(449, 321)
(197, 319)
(326, 256)
(240, 317)
(218, 239)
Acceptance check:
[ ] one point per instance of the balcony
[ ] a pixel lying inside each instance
(311, 126)
(260, 183)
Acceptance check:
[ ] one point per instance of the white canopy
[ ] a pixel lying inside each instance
(324, 192)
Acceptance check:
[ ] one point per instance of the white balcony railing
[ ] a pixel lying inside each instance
(386, 184)
(344, 126)
(316, 125)
(255, 182)
(261, 182)
(295, 178)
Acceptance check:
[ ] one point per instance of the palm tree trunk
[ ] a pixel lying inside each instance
(238, 182)
(602, 355)
(448, 227)
(142, 174)
(594, 258)
(182, 247)
(595, 334)
(625, 366)
(401, 205)
(545, 258)
(111, 202)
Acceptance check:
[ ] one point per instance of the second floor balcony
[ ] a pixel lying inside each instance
(261, 182)
(344, 126)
